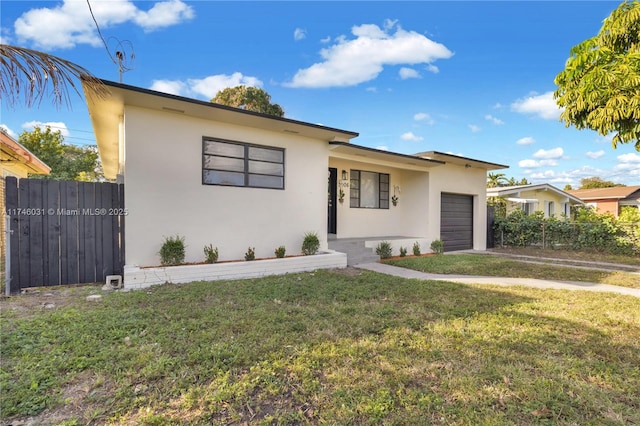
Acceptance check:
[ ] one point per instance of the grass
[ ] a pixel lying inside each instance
(570, 255)
(331, 347)
(480, 264)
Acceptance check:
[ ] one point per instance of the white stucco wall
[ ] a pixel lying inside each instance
(165, 195)
(455, 179)
(408, 218)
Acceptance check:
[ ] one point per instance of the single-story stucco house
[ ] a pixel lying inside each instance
(237, 179)
(609, 200)
(553, 202)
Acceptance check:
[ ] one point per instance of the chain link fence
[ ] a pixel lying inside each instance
(607, 236)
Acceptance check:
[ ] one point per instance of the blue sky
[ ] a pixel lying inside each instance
(469, 78)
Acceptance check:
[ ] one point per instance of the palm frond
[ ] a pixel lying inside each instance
(28, 76)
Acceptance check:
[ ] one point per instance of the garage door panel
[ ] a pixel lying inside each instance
(456, 221)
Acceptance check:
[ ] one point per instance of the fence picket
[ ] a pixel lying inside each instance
(63, 232)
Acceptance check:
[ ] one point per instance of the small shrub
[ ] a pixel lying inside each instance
(211, 253)
(280, 251)
(172, 251)
(416, 249)
(250, 254)
(310, 244)
(384, 249)
(437, 246)
(403, 251)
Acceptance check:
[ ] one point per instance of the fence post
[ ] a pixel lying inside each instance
(543, 239)
(7, 256)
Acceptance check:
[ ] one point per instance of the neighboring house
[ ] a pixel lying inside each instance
(18, 161)
(237, 179)
(546, 198)
(609, 200)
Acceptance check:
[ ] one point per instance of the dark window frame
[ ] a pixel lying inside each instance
(355, 191)
(246, 172)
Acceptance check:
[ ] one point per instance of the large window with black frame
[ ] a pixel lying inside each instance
(231, 163)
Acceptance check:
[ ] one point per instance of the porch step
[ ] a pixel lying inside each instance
(355, 250)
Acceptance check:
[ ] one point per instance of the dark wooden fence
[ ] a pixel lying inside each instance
(64, 232)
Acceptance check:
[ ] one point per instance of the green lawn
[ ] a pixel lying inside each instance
(332, 347)
(493, 266)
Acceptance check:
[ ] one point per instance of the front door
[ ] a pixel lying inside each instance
(332, 200)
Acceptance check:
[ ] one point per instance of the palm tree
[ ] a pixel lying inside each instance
(495, 179)
(30, 75)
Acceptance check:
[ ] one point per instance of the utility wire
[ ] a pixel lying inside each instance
(100, 33)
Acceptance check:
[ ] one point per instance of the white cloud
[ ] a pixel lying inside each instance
(10, 132)
(5, 36)
(493, 119)
(349, 62)
(409, 136)
(542, 158)
(325, 40)
(541, 105)
(70, 23)
(498, 105)
(389, 24)
(423, 116)
(432, 68)
(207, 87)
(55, 126)
(173, 87)
(549, 154)
(406, 73)
(630, 158)
(595, 155)
(527, 140)
(528, 164)
(371, 89)
(299, 34)
(382, 148)
(163, 14)
(474, 128)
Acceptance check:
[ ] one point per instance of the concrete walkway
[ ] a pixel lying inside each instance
(501, 281)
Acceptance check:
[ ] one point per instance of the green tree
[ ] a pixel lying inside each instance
(249, 98)
(514, 182)
(495, 180)
(599, 88)
(567, 187)
(67, 162)
(596, 182)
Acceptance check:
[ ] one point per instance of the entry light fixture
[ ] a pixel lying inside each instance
(345, 175)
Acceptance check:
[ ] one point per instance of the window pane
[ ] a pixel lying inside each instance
(223, 178)
(266, 168)
(384, 203)
(264, 154)
(224, 163)
(223, 148)
(266, 181)
(369, 195)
